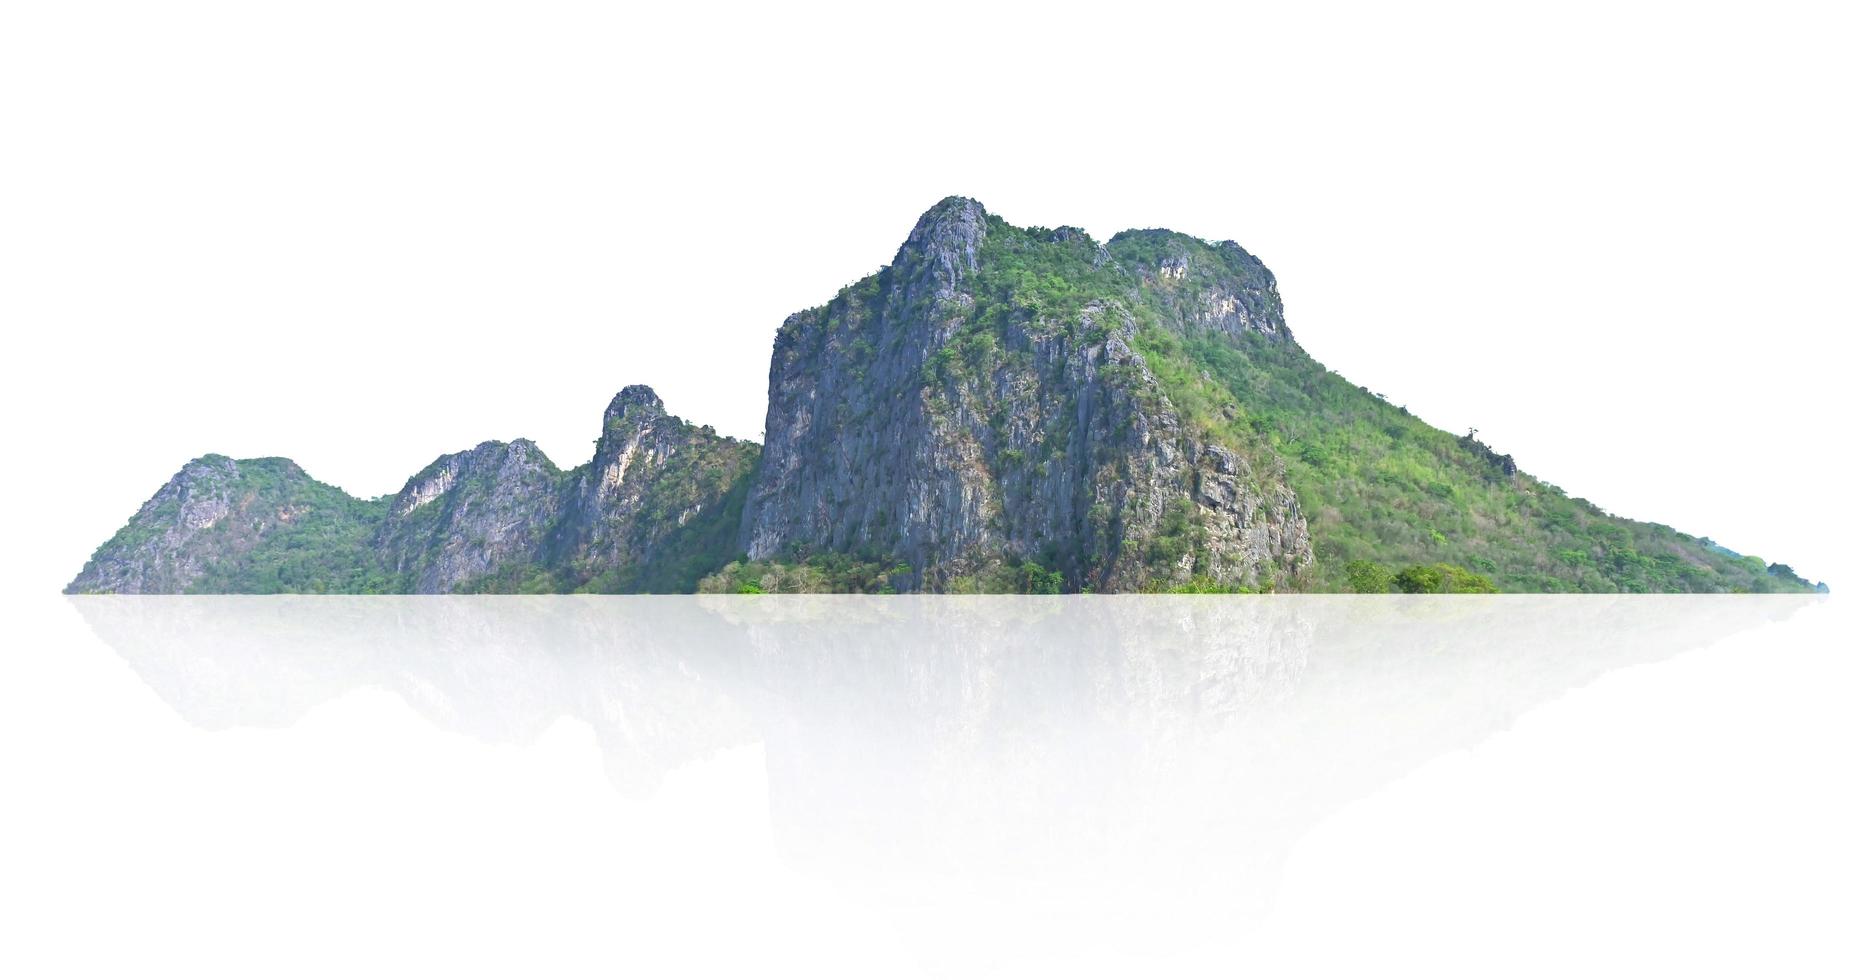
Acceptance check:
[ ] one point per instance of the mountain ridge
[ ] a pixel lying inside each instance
(997, 409)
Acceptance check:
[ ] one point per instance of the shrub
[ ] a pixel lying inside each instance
(1368, 577)
(1442, 578)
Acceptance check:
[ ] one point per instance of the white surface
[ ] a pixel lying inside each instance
(1621, 239)
(996, 787)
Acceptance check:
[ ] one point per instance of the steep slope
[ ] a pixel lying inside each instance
(1003, 402)
(469, 515)
(252, 525)
(656, 508)
(976, 416)
(659, 505)
(1383, 491)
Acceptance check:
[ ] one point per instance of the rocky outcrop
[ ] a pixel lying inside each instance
(161, 550)
(1201, 286)
(659, 504)
(657, 508)
(220, 522)
(470, 514)
(953, 414)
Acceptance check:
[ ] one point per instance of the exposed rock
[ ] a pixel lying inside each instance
(656, 508)
(220, 521)
(659, 504)
(932, 415)
(469, 514)
(1205, 287)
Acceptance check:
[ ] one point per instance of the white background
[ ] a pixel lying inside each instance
(1624, 241)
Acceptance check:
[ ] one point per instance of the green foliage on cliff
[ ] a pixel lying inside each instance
(324, 549)
(1384, 493)
(695, 507)
(1381, 488)
(281, 532)
(500, 518)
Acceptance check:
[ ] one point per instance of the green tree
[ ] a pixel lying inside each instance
(1368, 577)
(1442, 578)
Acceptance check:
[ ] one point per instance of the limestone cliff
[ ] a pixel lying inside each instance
(658, 506)
(980, 403)
(226, 525)
(469, 515)
(654, 510)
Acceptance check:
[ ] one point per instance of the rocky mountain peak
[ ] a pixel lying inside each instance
(632, 415)
(948, 238)
(634, 402)
(469, 514)
(995, 416)
(491, 459)
(211, 520)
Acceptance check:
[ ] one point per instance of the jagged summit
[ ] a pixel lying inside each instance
(998, 409)
(945, 242)
(634, 398)
(994, 412)
(950, 212)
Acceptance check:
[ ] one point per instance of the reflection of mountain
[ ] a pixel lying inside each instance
(501, 669)
(1157, 742)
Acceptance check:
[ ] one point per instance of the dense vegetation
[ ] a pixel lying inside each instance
(322, 547)
(1381, 486)
(689, 516)
(839, 573)
(284, 531)
(1410, 507)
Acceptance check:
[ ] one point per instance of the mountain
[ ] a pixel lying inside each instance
(655, 509)
(995, 409)
(998, 409)
(253, 525)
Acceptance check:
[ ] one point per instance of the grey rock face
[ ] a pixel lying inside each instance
(659, 493)
(469, 514)
(655, 509)
(1221, 288)
(935, 416)
(162, 556)
(219, 522)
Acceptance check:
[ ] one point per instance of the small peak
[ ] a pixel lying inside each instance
(205, 470)
(953, 204)
(948, 217)
(496, 452)
(634, 400)
(950, 233)
(633, 411)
